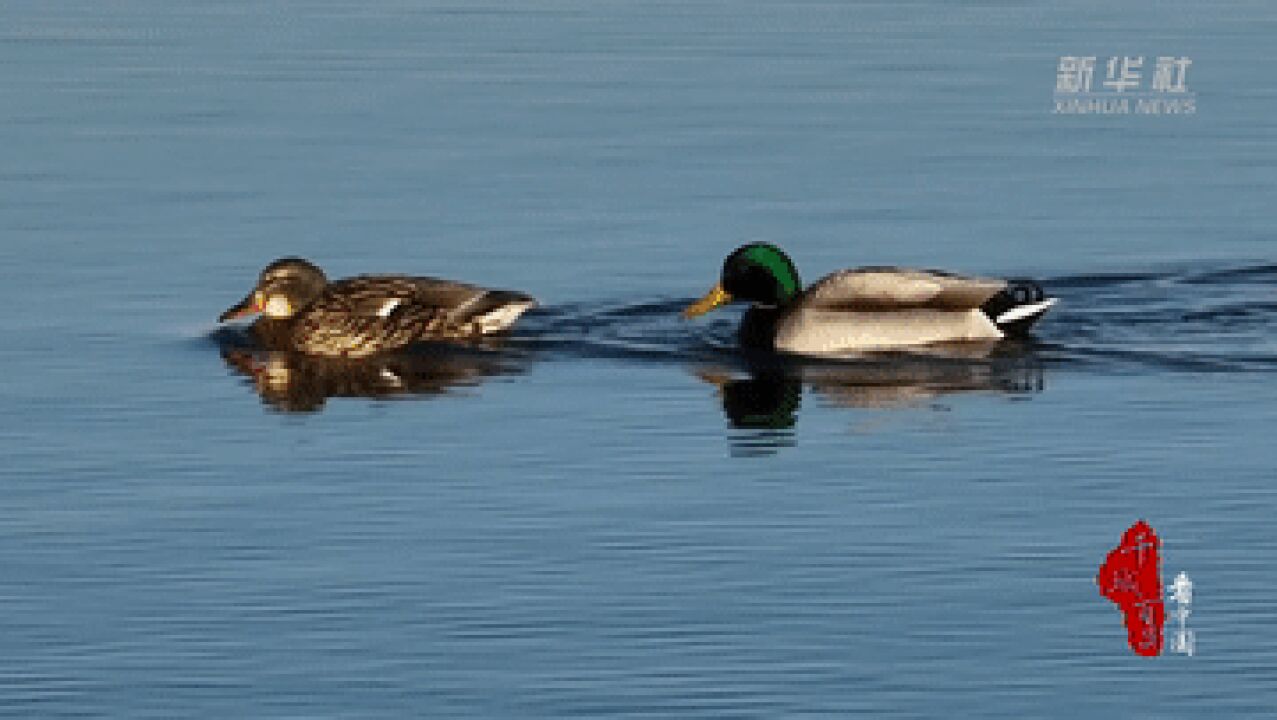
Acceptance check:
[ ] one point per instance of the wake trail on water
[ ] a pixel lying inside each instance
(1215, 319)
(1202, 319)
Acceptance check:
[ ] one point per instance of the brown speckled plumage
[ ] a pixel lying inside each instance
(368, 314)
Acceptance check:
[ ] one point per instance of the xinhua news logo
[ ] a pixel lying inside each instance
(1126, 86)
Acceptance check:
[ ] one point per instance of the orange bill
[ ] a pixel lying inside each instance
(714, 298)
(250, 305)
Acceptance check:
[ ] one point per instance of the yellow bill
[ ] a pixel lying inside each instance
(715, 297)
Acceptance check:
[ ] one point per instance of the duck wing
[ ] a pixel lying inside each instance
(455, 303)
(370, 313)
(379, 295)
(893, 288)
(877, 308)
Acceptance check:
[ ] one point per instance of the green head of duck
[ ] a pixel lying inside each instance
(758, 272)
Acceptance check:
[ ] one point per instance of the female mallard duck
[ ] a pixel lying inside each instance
(865, 309)
(362, 315)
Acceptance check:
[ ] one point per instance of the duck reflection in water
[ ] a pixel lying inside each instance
(294, 382)
(763, 394)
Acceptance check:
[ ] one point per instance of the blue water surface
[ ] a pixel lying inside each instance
(615, 514)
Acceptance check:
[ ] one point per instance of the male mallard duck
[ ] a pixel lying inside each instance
(871, 308)
(362, 315)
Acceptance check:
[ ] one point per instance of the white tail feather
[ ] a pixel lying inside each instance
(1024, 311)
(501, 318)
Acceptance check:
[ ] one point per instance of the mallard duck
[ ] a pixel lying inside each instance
(367, 314)
(866, 309)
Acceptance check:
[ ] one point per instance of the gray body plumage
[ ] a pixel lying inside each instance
(879, 308)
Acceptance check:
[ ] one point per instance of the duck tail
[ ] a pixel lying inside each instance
(1017, 307)
(496, 310)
